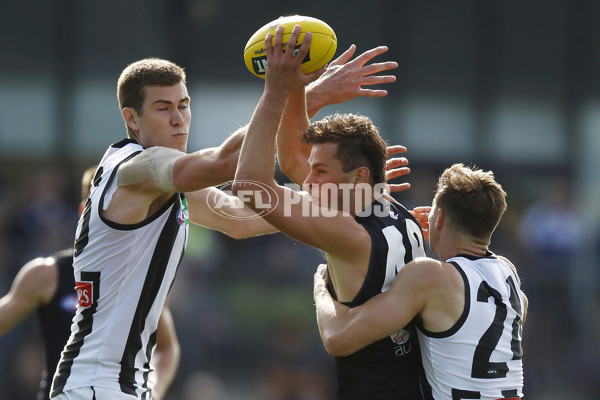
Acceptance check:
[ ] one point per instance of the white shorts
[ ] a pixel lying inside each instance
(88, 393)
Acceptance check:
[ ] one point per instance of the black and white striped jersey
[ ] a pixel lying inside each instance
(123, 274)
(389, 368)
(480, 357)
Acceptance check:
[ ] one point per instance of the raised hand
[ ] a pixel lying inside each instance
(422, 215)
(284, 72)
(344, 79)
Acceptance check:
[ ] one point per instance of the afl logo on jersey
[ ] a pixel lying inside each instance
(400, 337)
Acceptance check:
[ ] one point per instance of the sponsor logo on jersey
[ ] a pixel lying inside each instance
(84, 293)
(393, 215)
(400, 337)
(68, 303)
(183, 214)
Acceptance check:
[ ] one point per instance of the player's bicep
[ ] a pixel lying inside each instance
(202, 169)
(392, 310)
(154, 164)
(33, 286)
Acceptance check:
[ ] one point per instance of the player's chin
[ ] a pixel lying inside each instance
(179, 142)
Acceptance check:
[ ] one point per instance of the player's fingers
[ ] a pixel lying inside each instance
(293, 40)
(396, 172)
(396, 162)
(345, 56)
(423, 209)
(369, 55)
(378, 67)
(304, 47)
(400, 187)
(377, 79)
(278, 44)
(269, 44)
(396, 149)
(372, 93)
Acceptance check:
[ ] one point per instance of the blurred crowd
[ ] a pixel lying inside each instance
(244, 312)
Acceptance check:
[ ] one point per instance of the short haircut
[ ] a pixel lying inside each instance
(147, 72)
(358, 142)
(472, 200)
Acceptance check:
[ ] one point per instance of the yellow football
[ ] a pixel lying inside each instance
(322, 46)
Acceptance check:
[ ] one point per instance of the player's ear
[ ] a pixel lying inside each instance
(130, 116)
(440, 220)
(362, 175)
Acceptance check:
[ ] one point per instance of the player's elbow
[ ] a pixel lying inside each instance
(336, 344)
(293, 169)
(286, 166)
(240, 188)
(225, 169)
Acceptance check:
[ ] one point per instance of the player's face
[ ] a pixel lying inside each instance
(165, 119)
(326, 176)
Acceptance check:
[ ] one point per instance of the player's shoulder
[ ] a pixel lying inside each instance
(42, 266)
(511, 266)
(433, 272)
(40, 276)
(425, 268)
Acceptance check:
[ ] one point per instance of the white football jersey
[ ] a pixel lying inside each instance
(123, 274)
(480, 357)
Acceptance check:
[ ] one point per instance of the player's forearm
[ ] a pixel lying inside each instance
(9, 315)
(326, 314)
(257, 160)
(292, 153)
(314, 101)
(166, 368)
(230, 148)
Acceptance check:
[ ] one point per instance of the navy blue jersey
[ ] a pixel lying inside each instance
(55, 317)
(389, 368)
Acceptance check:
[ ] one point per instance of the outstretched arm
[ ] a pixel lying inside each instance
(216, 209)
(343, 80)
(34, 285)
(255, 182)
(282, 78)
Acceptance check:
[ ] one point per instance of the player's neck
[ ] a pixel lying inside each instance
(461, 246)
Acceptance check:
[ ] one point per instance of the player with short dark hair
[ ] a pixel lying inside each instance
(365, 234)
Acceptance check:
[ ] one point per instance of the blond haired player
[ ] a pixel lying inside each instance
(469, 307)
